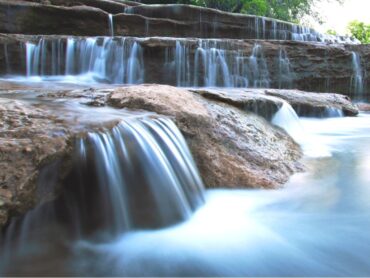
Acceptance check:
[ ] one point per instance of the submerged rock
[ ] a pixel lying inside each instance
(232, 148)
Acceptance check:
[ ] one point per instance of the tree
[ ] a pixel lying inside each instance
(360, 31)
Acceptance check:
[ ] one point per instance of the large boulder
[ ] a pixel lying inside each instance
(232, 148)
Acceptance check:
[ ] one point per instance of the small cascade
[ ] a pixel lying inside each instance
(301, 33)
(288, 119)
(332, 112)
(138, 175)
(274, 29)
(259, 70)
(214, 65)
(6, 58)
(357, 77)
(104, 59)
(286, 74)
(110, 24)
(30, 51)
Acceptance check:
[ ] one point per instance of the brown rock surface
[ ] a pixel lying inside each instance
(266, 102)
(34, 135)
(252, 100)
(29, 137)
(315, 104)
(232, 148)
(362, 106)
(22, 17)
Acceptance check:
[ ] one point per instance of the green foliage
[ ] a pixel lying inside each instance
(360, 31)
(332, 32)
(287, 10)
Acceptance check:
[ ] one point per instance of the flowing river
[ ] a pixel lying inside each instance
(316, 225)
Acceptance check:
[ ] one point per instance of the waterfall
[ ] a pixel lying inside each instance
(70, 55)
(274, 29)
(288, 119)
(30, 50)
(285, 73)
(259, 69)
(142, 166)
(182, 64)
(357, 78)
(256, 27)
(332, 112)
(110, 24)
(105, 59)
(138, 175)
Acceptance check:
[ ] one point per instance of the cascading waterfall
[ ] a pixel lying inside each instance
(111, 26)
(288, 119)
(357, 78)
(30, 49)
(104, 59)
(138, 175)
(259, 69)
(286, 74)
(332, 112)
(216, 66)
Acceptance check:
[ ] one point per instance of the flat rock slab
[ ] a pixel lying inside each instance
(315, 104)
(266, 102)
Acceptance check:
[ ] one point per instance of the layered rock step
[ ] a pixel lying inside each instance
(267, 102)
(231, 147)
(191, 62)
(124, 18)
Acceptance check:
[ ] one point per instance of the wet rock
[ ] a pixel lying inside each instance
(22, 17)
(310, 104)
(232, 148)
(33, 137)
(266, 102)
(249, 100)
(109, 6)
(362, 106)
(29, 137)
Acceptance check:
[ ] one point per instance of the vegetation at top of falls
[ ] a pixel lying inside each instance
(360, 31)
(287, 10)
(332, 32)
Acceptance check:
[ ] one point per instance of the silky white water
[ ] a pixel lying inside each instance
(316, 226)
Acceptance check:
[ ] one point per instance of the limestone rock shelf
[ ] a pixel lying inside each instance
(90, 18)
(190, 62)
